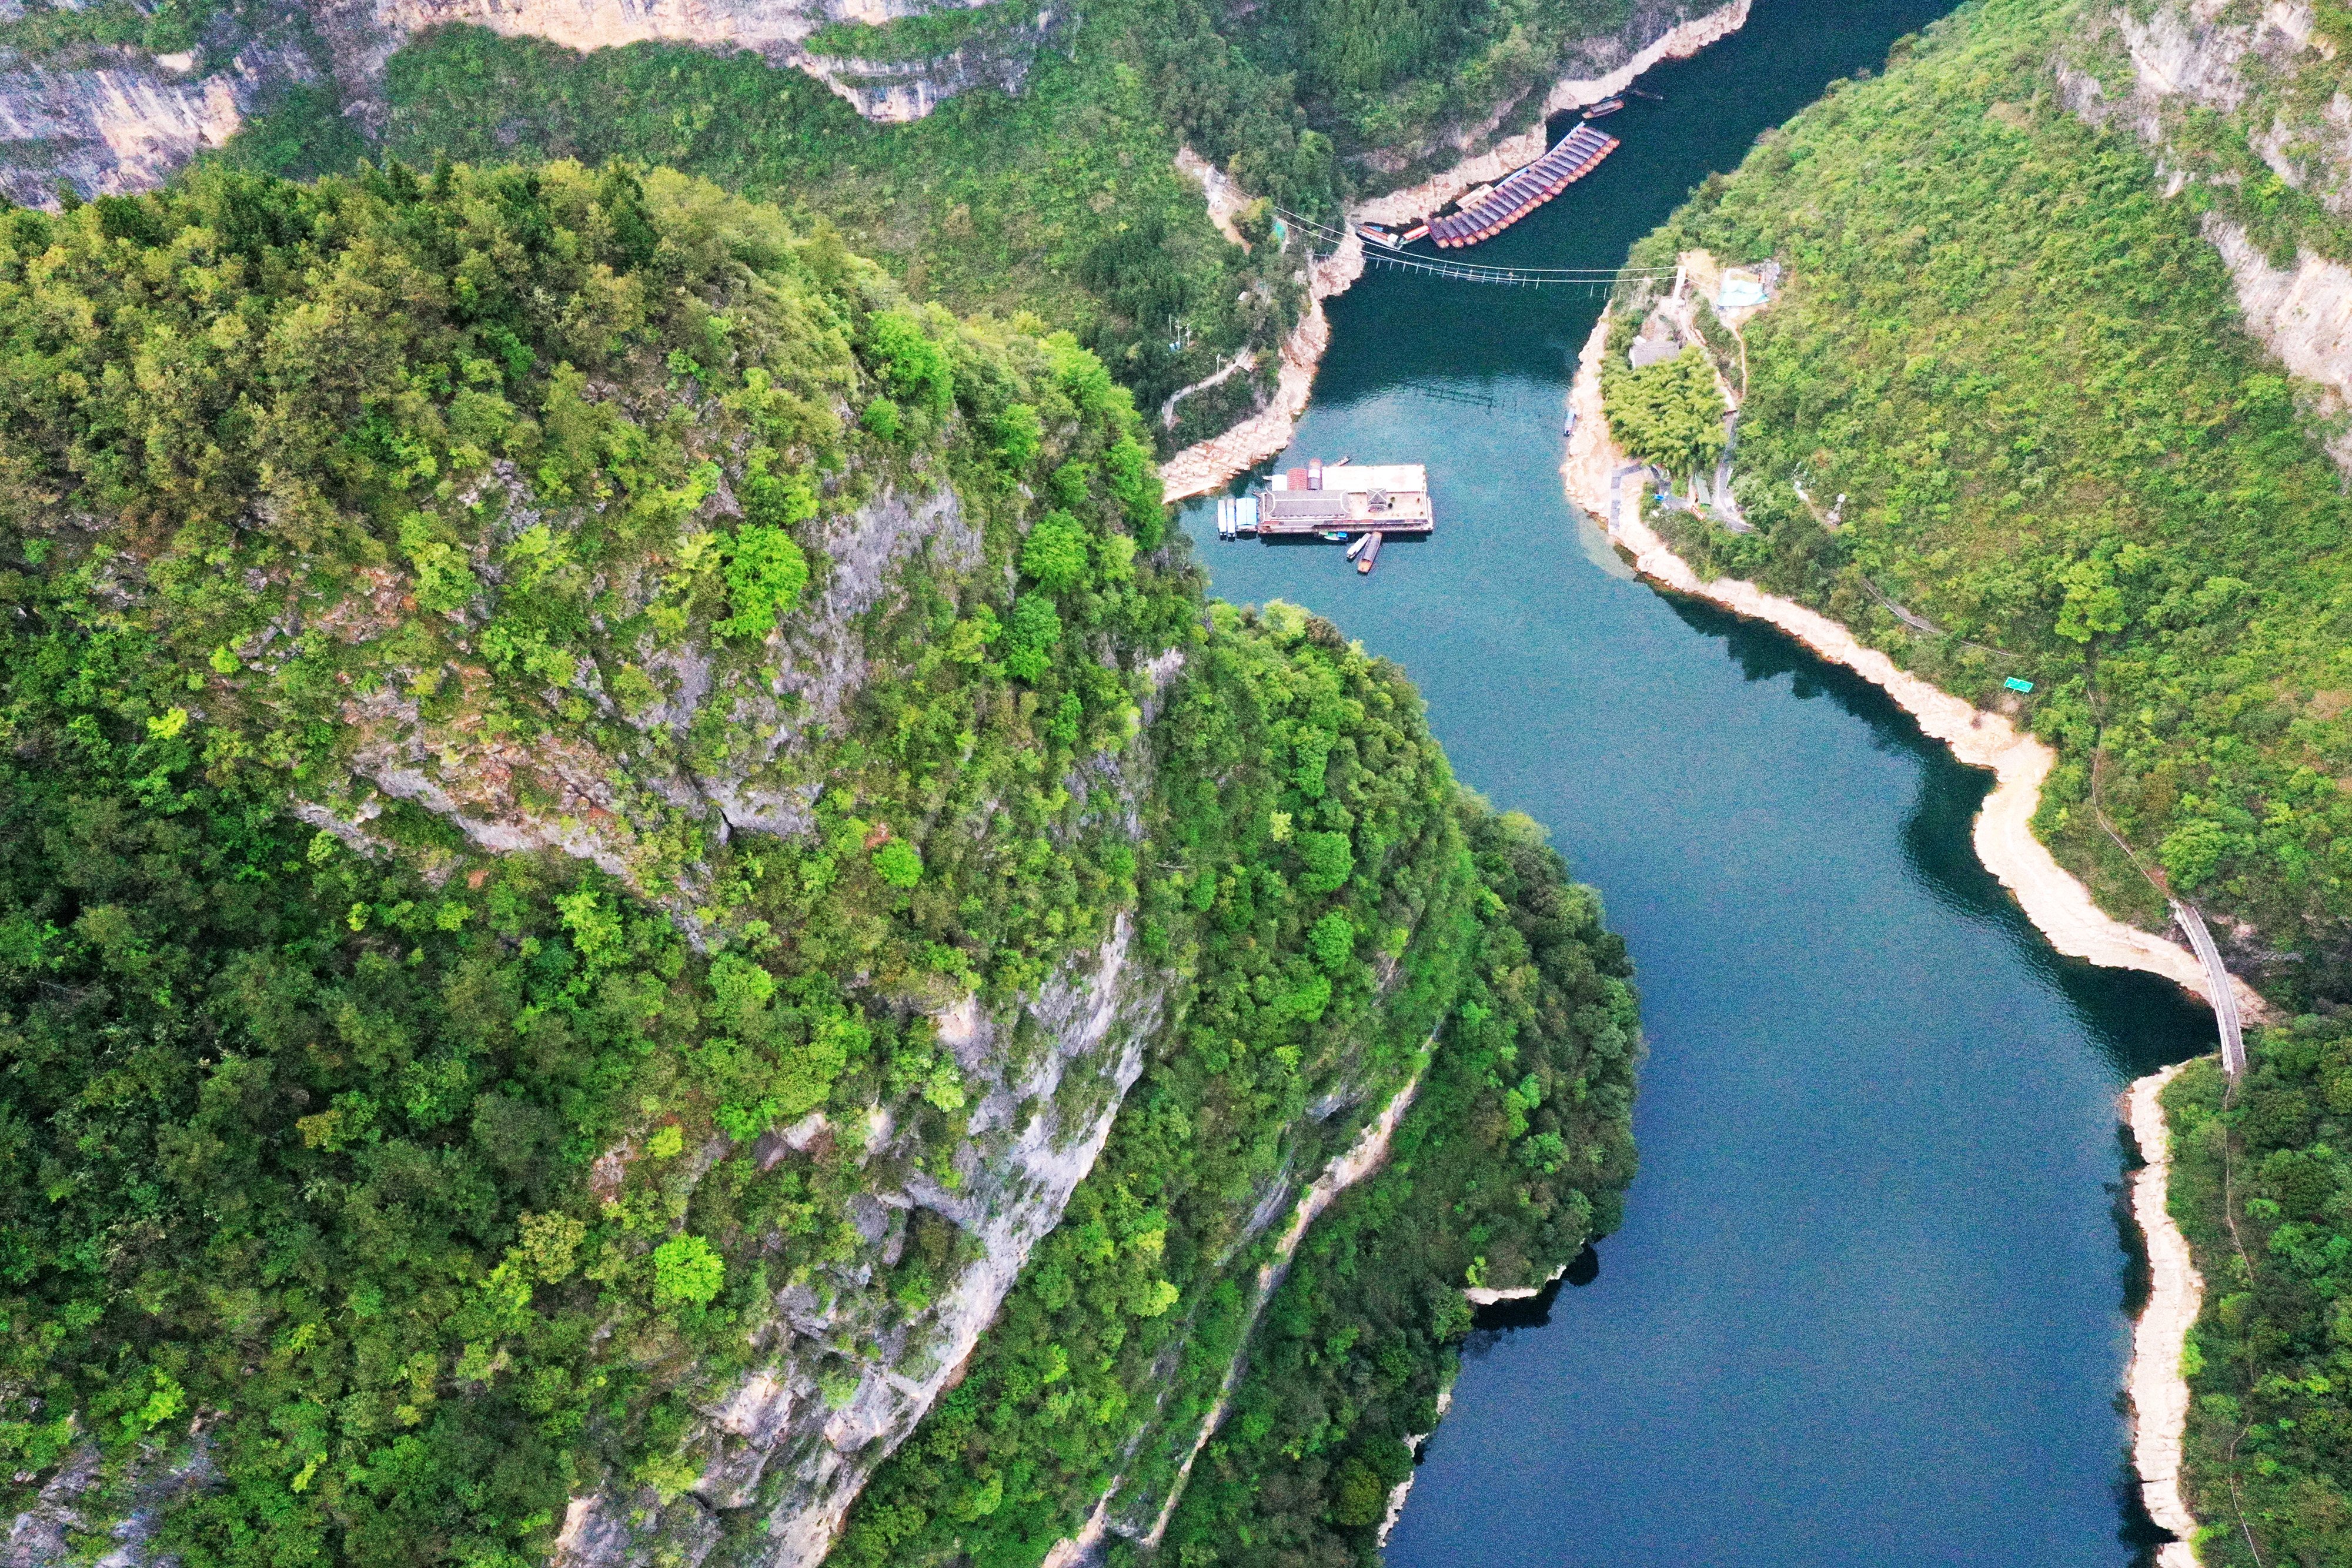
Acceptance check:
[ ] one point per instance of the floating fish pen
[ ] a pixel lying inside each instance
(1490, 214)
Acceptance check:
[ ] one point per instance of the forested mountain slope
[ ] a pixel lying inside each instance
(1043, 178)
(2055, 367)
(600, 819)
(2025, 368)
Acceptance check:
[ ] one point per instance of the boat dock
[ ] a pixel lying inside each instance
(1518, 194)
(1337, 499)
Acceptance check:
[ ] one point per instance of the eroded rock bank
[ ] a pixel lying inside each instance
(2159, 1394)
(1202, 467)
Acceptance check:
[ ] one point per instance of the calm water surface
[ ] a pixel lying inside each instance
(1868, 1306)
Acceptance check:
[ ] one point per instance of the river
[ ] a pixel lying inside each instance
(1869, 1305)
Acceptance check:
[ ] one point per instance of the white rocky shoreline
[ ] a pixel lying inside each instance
(2059, 905)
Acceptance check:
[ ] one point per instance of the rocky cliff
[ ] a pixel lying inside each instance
(635, 535)
(129, 121)
(778, 1445)
(628, 812)
(2246, 107)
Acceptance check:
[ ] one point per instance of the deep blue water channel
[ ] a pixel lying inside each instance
(1869, 1305)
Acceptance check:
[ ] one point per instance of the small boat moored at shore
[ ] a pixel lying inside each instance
(1606, 106)
(1371, 553)
(1364, 542)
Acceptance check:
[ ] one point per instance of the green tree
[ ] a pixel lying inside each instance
(898, 864)
(1669, 414)
(766, 573)
(1055, 554)
(1031, 639)
(687, 1270)
(1330, 860)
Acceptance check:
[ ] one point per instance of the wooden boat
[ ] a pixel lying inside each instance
(1371, 553)
(1363, 542)
(1606, 106)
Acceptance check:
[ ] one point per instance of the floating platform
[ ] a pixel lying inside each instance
(1515, 197)
(1343, 498)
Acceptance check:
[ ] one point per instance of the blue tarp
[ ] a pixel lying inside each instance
(1740, 293)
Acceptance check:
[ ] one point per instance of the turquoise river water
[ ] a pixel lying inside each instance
(1869, 1305)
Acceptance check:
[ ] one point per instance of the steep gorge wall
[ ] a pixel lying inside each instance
(109, 120)
(2233, 96)
(129, 124)
(778, 1448)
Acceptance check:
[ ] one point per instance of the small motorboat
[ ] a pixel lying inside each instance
(1371, 553)
(1570, 428)
(1607, 106)
(1333, 535)
(1363, 541)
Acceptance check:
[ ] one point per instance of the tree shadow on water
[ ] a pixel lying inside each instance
(2139, 1021)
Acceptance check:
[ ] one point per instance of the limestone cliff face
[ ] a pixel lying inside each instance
(849, 1375)
(2303, 312)
(126, 123)
(124, 120)
(628, 806)
(896, 91)
(2268, 87)
(888, 91)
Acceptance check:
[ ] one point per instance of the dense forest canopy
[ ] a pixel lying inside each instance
(1062, 199)
(522, 686)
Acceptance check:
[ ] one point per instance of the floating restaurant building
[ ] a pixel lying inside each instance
(1343, 497)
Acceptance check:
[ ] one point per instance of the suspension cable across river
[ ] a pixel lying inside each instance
(1313, 229)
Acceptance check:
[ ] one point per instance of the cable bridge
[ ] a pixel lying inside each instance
(2225, 996)
(1596, 278)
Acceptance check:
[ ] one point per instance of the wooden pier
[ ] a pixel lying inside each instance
(1518, 194)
